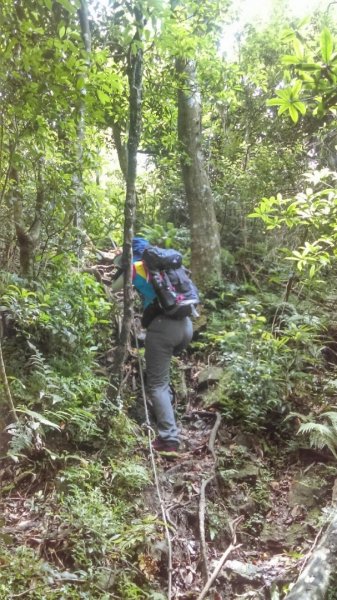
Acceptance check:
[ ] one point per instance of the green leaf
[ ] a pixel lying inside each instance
(289, 59)
(285, 94)
(68, 6)
(296, 87)
(80, 83)
(326, 45)
(283, 108)
(274, 102)
(37, 417)
(298, 47)
(300, 106)
(309, 66)
(103, 97)
(293, 113)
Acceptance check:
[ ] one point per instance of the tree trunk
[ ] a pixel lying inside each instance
(78, 173)
(313, 582)
(28, 239)
(205, 242)
(135, 73)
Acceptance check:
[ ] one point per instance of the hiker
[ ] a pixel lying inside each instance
(165, 337)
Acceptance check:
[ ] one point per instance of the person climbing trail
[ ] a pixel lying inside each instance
(165, 337)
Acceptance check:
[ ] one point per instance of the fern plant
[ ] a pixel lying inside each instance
(322, 433)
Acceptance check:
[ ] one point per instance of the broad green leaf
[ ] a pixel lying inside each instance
(300, 106)
(274, 102)
(289, 59)
(309, 67)
(326, 45)
(293, 113)
(103, 97)
(296, 87)
(285, 94)
(298, 47)
(283, 108)
(80, 83)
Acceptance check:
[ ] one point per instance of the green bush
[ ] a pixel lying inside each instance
(60, 326)
(265, 362)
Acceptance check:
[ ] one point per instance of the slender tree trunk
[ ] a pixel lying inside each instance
(205, 242)
(78, 174)
(28, 238)
(135, 74)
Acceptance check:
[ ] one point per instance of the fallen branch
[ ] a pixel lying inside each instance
(222, 560)
(216, 571)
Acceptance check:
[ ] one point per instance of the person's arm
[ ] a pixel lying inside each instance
(117, 281)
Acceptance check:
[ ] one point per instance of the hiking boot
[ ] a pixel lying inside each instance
(166, 449)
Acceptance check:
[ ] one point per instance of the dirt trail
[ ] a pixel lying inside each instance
(225, 493)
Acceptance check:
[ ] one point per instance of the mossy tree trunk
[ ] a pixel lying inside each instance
(205, 242)
(28, 237)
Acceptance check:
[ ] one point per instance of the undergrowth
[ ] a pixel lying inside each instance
(270, 353)
(79, 457)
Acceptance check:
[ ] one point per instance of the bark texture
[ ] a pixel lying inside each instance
(135, 75)
(205, 242)
(28, 237)
(314, 581)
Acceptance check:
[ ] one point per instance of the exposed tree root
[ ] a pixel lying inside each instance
(213, 435)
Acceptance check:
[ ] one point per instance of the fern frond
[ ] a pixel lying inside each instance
(320, 436)
(332, 416)
(321, 428)
(298, 416)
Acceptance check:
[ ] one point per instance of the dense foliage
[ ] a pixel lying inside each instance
(269, 149)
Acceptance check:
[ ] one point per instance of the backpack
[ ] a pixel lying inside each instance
(177, 294)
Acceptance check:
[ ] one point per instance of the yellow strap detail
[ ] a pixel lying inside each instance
(140, 269)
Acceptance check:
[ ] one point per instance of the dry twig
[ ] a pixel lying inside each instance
(216, 571)
(222, 560)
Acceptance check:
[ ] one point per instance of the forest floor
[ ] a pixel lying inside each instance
(258, 506)
(254, 504)
(268, 512)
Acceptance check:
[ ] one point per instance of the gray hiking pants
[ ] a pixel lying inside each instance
(164, 338)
